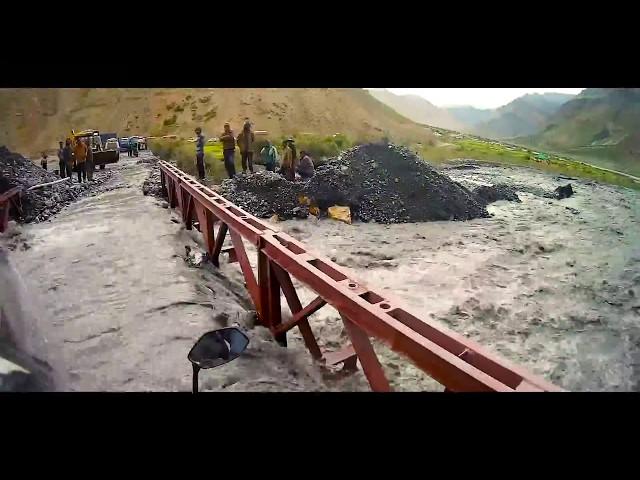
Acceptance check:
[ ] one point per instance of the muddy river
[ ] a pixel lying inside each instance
(550, 284)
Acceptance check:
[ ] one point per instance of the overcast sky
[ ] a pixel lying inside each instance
(476, 97)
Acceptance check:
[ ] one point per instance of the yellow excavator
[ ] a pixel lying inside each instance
(101, 157)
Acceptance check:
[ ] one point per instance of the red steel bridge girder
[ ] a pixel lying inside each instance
(456, 362)
(9, 199)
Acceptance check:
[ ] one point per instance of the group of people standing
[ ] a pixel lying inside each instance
(78, 157)
(245, 141)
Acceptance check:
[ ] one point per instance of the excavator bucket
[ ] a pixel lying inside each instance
(105, 157)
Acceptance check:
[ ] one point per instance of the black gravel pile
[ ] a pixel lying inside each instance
(264, 194)
(40, 204)
(390, 184)
(493, 193)
(379, 182)
(153, 185)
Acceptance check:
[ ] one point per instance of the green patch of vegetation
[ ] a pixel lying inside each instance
(171, 106)
(319, 147)
(460, 146)
(183, 153)
(179, 108)
(205, 99)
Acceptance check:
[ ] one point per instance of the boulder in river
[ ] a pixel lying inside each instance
(564, 191)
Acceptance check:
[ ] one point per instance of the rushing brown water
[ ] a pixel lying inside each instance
(107, 285)
(550, 284)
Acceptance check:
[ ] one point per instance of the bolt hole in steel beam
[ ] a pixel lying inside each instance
(327, 270)
(290, 246)
(385, 306)
(372, 297)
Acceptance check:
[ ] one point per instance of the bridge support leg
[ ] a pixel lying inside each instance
(222, 233)
(368, 358)
(271, 313)
(295, 306)
(247, 271)
(206, 221)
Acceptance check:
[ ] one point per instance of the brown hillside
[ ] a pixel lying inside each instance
(35, 119)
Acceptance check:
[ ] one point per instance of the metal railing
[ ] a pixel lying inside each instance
(451, 359)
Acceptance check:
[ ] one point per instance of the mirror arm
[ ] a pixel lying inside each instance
(196, 371)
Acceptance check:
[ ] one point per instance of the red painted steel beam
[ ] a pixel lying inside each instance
(310, 309)
(6, 200)
(453, 360)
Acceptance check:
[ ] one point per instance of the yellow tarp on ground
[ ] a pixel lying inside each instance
(342, 214)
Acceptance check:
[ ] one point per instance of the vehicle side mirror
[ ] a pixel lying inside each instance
(216, 348)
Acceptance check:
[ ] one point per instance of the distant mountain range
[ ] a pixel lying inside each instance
(418, 109)
(601, 125)
(524, 116)
(470, 116)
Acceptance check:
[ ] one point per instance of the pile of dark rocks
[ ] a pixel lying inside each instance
(386, 183)
(265, 194)
(38, 205)
(493, 193)
(152, 184)
(379, 182)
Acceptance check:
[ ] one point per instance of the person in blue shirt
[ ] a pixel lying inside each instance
(269, 155)
(133, 147)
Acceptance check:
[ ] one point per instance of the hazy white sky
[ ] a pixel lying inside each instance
(476, 97)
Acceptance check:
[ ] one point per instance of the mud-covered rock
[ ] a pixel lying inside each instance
(152, 184)
(563, 191)
(493, 193)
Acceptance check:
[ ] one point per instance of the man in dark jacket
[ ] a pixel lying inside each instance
(245, 140)
(61, 164)
(200, 153)
(89, 165)
(228, 149)
(305, 167)
(68, 159)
